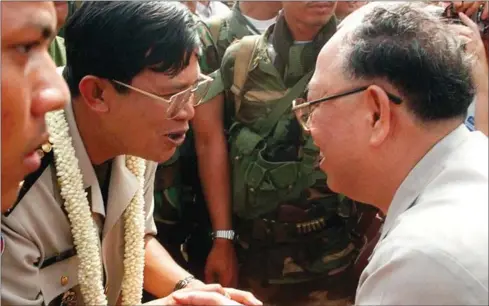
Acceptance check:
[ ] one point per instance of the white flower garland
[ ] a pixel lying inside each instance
(83, 228)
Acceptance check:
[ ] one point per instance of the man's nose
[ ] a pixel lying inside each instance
(186, 113)
(50, 91)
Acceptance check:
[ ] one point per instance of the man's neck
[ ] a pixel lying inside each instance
(257, 10)
(98, 146)
(302, 32)
(419, 142)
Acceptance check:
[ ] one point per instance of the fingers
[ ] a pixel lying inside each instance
(209, 275)
(473, 8)
(469, 22)
(243, 297)
(485, 11)
(202, 298)
(210, 288)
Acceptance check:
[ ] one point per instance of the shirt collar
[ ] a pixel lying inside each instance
(422, 174)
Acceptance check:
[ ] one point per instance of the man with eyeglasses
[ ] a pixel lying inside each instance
(81, 230)
(296, 239)
(386, 107)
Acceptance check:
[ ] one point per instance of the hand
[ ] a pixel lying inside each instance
(474, 45)
(209, 295)
(232, 297)
(222, 264)
(468, 8)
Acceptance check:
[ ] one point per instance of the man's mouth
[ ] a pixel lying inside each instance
(177, 137)
(321, 4)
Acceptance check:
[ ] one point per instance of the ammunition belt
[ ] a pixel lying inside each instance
(271, 231)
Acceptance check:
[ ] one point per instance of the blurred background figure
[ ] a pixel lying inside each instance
(208, 9)
(345, 8)
(192, 5)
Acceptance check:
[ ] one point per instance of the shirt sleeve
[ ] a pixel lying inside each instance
(400, 275)
(20, 278)
(224, 77)
(150, 226)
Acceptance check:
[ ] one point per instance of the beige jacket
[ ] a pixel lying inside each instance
(37, 231)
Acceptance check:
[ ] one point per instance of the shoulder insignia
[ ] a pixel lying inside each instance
(46, 154)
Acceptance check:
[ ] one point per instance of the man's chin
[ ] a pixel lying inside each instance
(166, 156)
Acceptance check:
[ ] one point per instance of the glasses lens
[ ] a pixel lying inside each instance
(302, 112)
(194, 95)
(200, 91)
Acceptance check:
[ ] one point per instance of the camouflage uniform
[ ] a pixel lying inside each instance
(57, 51)
(217, 34)
(180, 208)
(293, 230)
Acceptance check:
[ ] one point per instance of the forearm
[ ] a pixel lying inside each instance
(214, 175)
(161, 272)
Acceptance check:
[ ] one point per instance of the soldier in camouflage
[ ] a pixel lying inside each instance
(181, 212)
(218, 33)
(295, 237)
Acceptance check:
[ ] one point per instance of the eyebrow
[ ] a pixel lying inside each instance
(43, 28)
(46, 30)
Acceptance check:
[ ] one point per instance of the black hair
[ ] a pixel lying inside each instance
(416, 52)
(116, 40)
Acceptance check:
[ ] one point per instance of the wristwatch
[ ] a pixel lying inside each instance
(223, 234)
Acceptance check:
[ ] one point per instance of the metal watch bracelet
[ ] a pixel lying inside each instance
(183, 282)
(223, 234)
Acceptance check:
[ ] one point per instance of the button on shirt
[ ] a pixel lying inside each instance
(434, 244)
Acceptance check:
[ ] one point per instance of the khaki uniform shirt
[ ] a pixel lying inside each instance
(35, 267)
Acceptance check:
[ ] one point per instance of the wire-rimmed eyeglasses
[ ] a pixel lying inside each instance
(303, 109)
(194, 94)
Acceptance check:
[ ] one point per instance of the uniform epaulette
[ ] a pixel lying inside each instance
(46, 159)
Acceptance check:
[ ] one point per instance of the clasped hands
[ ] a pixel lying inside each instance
(208, 295)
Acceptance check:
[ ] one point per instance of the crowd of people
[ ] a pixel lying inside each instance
(244, 153)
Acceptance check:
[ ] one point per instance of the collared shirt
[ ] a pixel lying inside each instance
(433, 248)
(37, 232)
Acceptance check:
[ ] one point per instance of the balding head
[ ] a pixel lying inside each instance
(411, 48)
(395, 79)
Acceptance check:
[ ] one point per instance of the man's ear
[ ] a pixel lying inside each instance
(379, 107)
(92, 90)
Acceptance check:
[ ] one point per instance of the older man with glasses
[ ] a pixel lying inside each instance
(82, 229)
(386, 108)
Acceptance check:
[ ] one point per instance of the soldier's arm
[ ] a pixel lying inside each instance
(211, 148)
(209, 61)
(161, 272)
(22, 282)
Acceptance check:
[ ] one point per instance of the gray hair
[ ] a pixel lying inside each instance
(412, 48)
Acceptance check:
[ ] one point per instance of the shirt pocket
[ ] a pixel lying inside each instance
(58, 278)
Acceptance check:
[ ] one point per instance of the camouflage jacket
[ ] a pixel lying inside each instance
(274, 174)
(57, 51)
(217, 34)
(168, 193)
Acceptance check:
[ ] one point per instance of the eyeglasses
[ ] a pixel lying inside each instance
(303, 109)
(194, 94)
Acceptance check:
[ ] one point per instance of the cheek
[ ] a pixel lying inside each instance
(15, 109)
(15, 115)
